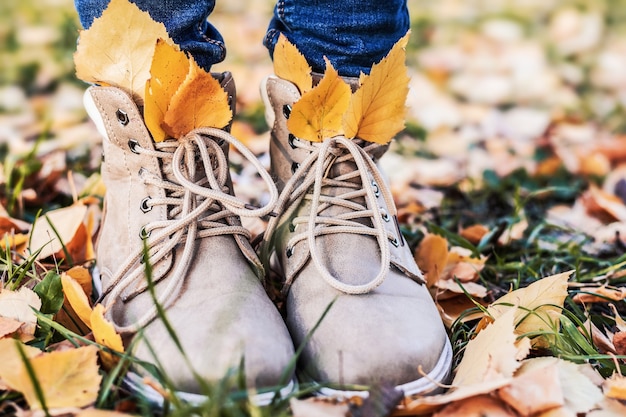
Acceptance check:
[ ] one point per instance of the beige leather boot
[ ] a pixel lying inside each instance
(336, 238)
(177, 196)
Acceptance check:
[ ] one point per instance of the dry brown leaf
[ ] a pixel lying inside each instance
(68, 378)
(619, 342)
(318, 114)
(479, 406)
(599, 338)
(291, 65)
(8, 326)
(600, 294)
(491, 354)
(169, 69)
(451, 310)
(607, 207)
(534, 391)
(117, 48)
(68, 223)
(472, 288)
(537, 307)
(377, 109)
(431, 256)
(474, 233)
(19, 305)
(200, 101)
(104, 333)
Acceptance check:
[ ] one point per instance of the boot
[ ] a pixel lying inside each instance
(176, 197)
(336, 242)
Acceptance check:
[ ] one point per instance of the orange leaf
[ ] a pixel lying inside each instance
(199, 102)
(105, 334)
(170, 67)
(377, 109)
(117, 48)
(432, 255)
(290, 65)
(319, 112)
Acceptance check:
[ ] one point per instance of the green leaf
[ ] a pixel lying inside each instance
(50, 290)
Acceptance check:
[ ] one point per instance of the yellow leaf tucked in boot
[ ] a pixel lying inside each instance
(377, 109)
(290, 65)
(117, 49)
(105, 334)
(200, 101)
(318, 113)
(77, 299)
(170, 67)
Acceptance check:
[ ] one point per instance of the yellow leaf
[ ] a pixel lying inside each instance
(377, 109)
(537, 307)
(169, 69)
(117, 49)
(68, 378)
(318, 114)
(11, 364)
(615, 387)
(290, 65)
(491, 355)
(432, 256)
(104, 333)
(200, 101)
(18, 305)
(67, 222)
(77, 298)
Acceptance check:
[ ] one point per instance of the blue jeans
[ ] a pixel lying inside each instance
(352, 34)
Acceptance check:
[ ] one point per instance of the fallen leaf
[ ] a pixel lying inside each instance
(291, 65)
(472, 288)
(67, 222)
(431, 256)
(8, 326)
(10, 359)
(615, 387)
(77, 298)
(600, 294)
(491, 354)
(117, 48)
(619, 341)
(603, 205)
(537, 307)
(456, 308)
(104, 333)
(200, 101)
(169, 69)
(318, 114)
(479, 406)
(377, 109)
(19, 305)
(534, 390)
(68, 378)
(608, 408)
(474, 233)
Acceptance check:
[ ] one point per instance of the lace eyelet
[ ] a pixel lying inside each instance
(289, 252)
(144, 206)
(291, 140)
(122, 117)
(395, 242)
(287, 111)
(376, 189)
(133, 145)
(294, 167)
(384, 215)
(144, 234)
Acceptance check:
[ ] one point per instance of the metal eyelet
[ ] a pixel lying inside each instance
(144, 206)
(287, 111)
(143, 233)
(289, 252)
(133, 145)
(384, 215)
(291, 141)
(376, 189)
(294, 167)
(395, 242)
(122, 117)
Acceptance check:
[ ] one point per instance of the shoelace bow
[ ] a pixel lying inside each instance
(312, 172)
(200, 206)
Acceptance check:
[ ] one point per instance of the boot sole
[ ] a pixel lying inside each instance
(430, 384)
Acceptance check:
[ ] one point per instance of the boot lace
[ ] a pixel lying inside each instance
(309, 181)
(195, 175)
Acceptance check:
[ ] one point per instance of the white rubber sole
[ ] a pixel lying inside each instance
(427, 385)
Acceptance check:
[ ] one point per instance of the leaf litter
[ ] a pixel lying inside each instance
(510, 180)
